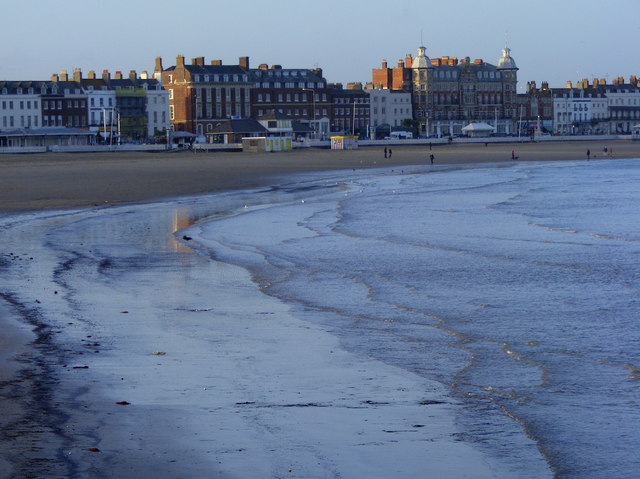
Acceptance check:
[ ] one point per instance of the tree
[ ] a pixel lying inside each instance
(411, 125)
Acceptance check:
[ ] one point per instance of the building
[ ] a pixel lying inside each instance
(201, 95)
(535, 110)
(136, 106)
(573, 110)
(398, 78)
(448, 94)
(20, 104)
(623, 105)
(233, 131)
(389, 110)
(596, 108)
(351, 109)
(299, 93)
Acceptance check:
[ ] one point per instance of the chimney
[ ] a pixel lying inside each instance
(77, 75)
(106, 76)
(158, 67)
(400, 64)
(216, 63)
(244, 63)
(144, 75)
(92, 75)
(180, 61)
(133, 75)
(64, 76)
(569, 85)
(384, 63)
(198, 61)
(408, 60)
(55, 78)
(263, 66)
(118, 76)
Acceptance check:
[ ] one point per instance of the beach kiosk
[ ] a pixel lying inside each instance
(478, 130)
(344, 142)
(257, 144)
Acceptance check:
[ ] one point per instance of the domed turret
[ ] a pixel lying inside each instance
(422, 60)
(506, 62)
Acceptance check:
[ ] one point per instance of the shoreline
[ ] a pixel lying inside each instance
(49, 181)
(191, 369)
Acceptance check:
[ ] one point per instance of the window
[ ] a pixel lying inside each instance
(172, 113)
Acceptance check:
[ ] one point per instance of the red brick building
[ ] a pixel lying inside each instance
(201, 95)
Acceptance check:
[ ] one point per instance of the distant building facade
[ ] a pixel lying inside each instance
(535, 110)
(351, 109)
(388, 110)
(298, 93)
(597, 108)
(201, 95)
(448, 94)
(20, 104)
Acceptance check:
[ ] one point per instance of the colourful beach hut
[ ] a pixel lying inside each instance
(344, 142)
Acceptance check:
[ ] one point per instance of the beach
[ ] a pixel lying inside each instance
(171, 407)
(58, 180)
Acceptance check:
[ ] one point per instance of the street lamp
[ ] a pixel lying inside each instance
(313, 93)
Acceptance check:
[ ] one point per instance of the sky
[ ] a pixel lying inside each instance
(550, 41)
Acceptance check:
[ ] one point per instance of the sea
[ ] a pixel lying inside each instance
(515, 286)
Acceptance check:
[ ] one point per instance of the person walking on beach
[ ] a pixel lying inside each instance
(431, 157)
(513, 154)
(385, 151)
(390, 152)
(588, 154)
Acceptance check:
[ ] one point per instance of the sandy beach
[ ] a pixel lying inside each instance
(53, 181)
(57, 180)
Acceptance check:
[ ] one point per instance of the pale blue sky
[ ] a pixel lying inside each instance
(552, 41)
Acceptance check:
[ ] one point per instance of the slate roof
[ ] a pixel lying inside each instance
(240, 126)
(53, 131)
(211, 69)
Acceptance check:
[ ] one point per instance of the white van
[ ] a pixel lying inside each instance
(400, 135)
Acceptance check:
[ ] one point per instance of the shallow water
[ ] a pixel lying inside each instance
(513, 286)
(517, 287)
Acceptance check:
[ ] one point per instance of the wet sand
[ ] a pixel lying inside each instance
(63, 180)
